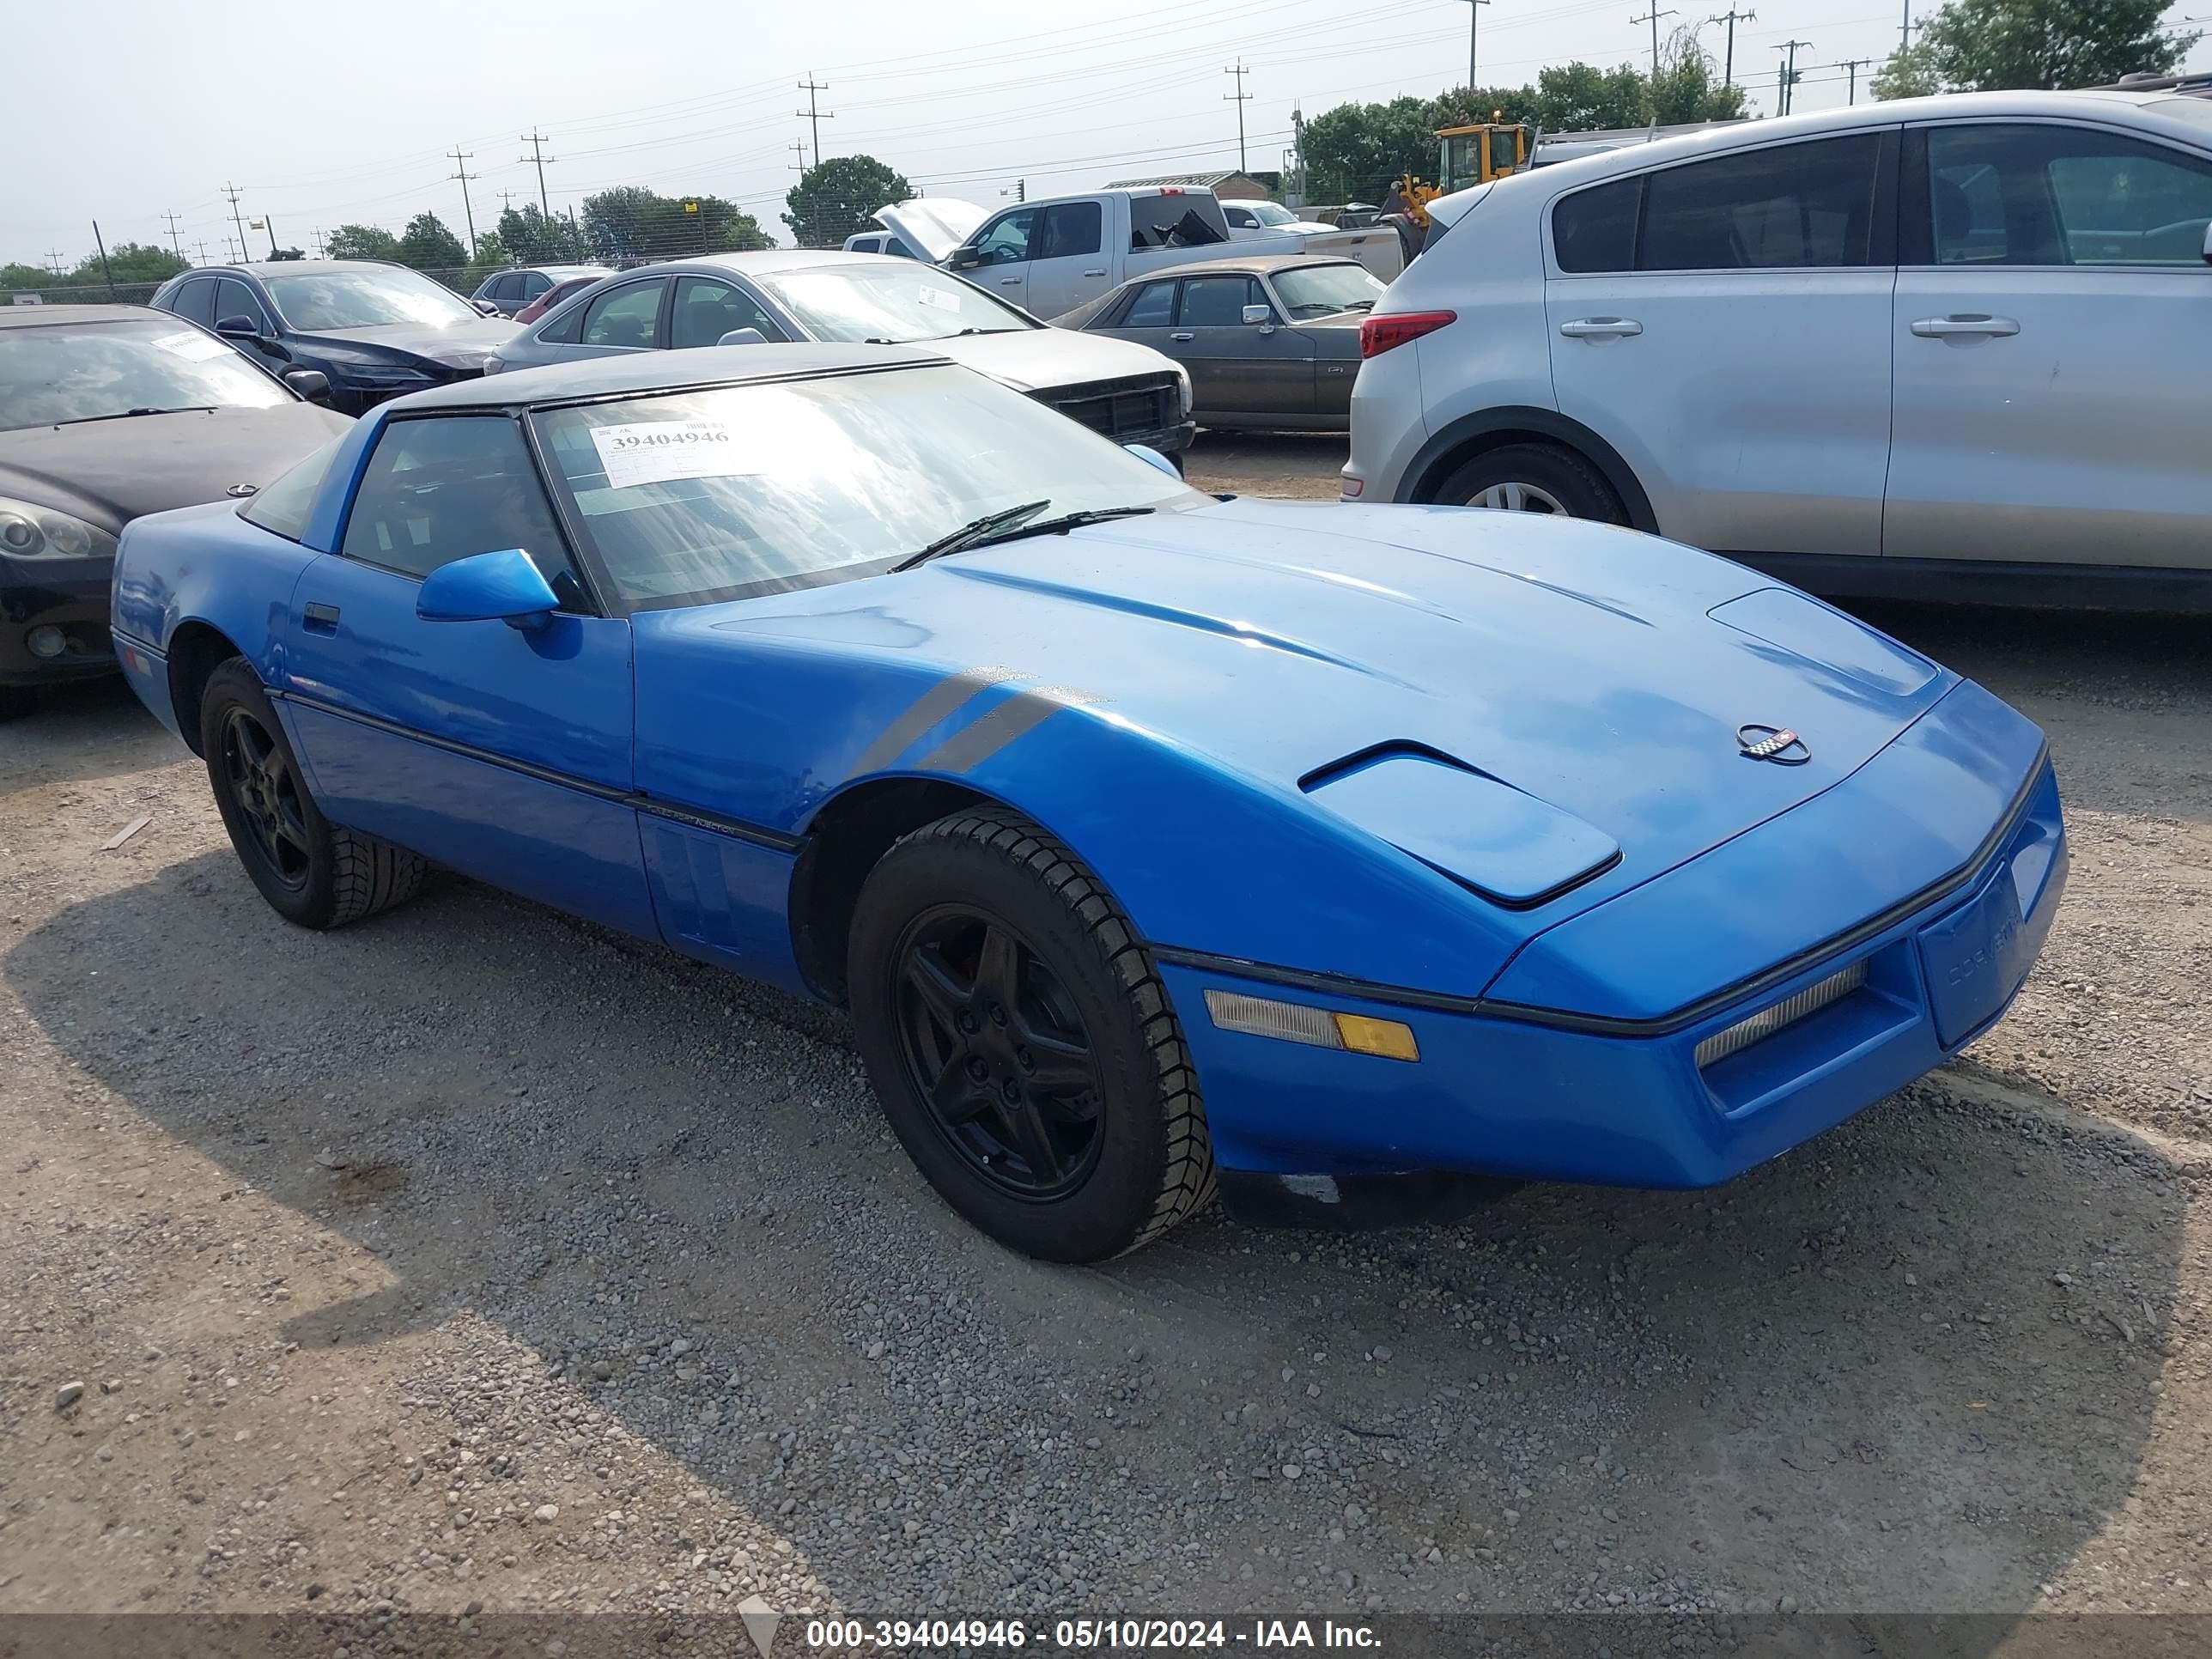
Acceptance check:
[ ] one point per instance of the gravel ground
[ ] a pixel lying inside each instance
(473, 1259)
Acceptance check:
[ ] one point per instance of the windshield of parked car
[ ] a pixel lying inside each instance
(64, 372)
(1270, 213)
(1324, 290)
(366, 296)
(888, 304)
(691, 497)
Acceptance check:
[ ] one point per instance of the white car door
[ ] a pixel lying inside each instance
(997, 257)
(2053, 342)
(1068, 262)
(1723, 323)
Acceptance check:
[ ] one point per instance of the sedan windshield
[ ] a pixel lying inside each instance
(695, 496)
(1324, 290)
(889, 305)
(366, 296)
(65, 372)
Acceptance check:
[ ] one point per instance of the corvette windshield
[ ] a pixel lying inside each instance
(691, 497)
(895, 304)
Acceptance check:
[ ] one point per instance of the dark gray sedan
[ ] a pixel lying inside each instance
(1270, 342)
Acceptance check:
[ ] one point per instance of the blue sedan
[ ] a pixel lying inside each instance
(1151, 839)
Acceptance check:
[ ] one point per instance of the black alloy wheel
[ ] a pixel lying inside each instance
(993, 1043)
(266, 792)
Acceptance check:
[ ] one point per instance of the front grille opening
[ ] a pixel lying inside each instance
(1119, 409)
(1767, 1021)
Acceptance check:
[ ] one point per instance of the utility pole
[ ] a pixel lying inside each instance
(173, 247)
(1240, 98)
(1652, 17)
(461, 161)
(1731, 17)
(269, 225)
(1473, 17)
(798, 147)
(1789, 74)
(54, 260)
(233, 193)
(1852, 66)
(536, 140)
(318, 241)
(812, 112)
(201, 247)
(1905, 29)
(100, 243)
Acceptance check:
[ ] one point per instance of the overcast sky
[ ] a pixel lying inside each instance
(321, 115)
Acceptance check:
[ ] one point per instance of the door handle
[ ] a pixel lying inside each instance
(1094, 273)
(1182, 334)
(1009, 281)
(1600, 328)
(320, 619)
(1944, 328)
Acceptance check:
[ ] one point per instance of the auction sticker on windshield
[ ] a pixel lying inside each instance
(942, 299)
(655, 451)
(195, 347)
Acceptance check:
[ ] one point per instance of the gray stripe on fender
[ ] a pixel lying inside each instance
(1023, 713)
(931, 705)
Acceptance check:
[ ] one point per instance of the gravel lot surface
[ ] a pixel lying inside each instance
(473, 1260)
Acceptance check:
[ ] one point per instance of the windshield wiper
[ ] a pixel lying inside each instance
(126, 414)
(1062, 524)
(973, 532)
(963, 333)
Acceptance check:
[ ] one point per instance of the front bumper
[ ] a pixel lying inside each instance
(68, 594)
(1516, 1097)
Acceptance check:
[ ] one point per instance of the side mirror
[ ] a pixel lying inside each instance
(965, 259)
(504, 586)
(239, 328)
(310, 383)
(485, 307)
(743, 337)
(1146, 453)
(1258, 316)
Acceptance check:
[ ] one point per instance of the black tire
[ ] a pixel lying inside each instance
(1124, 1153)
(1577, 488)
(310, 870)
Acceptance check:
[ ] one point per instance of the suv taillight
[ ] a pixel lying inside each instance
(1378, 334)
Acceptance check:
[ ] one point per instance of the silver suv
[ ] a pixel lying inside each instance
(1940, 346)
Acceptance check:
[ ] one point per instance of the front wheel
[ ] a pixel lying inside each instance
(311, 871)
(1022, 1043)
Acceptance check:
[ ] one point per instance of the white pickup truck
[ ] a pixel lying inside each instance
(1049, 256)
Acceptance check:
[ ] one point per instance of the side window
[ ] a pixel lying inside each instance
(1218, 301)
(195, 301)
(281, 508)
(898, 246)
(569, 328)
(233, 298)
(1006, 241)
(707, 308)
(1071, 230)
(1178, 221)
(2022, 194)
(1594, 229)
(534, 283)
(1791, 205)
(625, 316)
(450, 486)
(1153, 308)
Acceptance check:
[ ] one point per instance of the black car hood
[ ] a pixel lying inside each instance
(460, 345)
(109, 472)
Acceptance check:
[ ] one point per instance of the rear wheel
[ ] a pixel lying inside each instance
(1022, 1043)
(310, 870)
(1534, 477)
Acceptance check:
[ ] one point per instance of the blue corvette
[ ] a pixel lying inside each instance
(1145, 834)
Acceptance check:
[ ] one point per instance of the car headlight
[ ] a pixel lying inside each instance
(383, 374)
(28, 531)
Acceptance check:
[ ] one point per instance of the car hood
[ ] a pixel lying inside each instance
(1601, 672)
(460, 345)
(109, 472)
(935, 224)
(1037, 360)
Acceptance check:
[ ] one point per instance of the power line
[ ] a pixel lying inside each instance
(461, 159)
(1240, 98)
(1652, 17)
(1731, 17)
(536, 140)
(812, 112)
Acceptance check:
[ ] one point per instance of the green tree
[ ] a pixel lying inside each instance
(531, 237)
(1907, 74)
(361, 242)
(834, 198)
(1685, 88)
(1356, 152)
(631, 223)
(131, 263)
(1993, 46)
(1581, 97)
(491, 255)
(427, 245)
